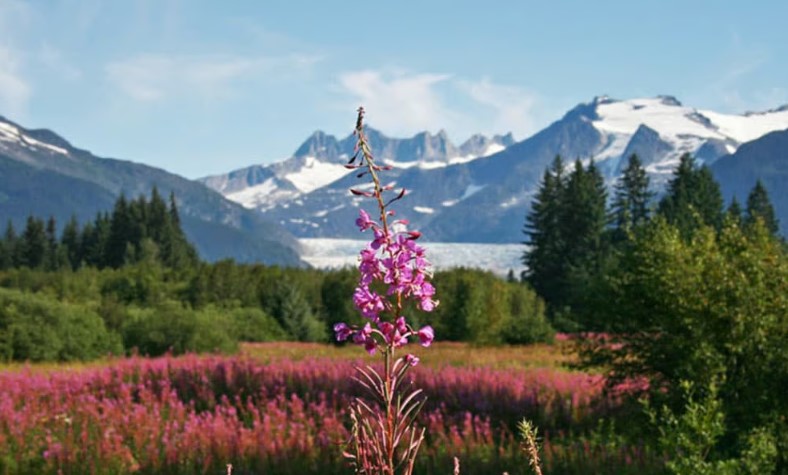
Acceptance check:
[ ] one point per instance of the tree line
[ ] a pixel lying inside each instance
(135, 230)
(131, 281)
(574, 232)
(682, 294)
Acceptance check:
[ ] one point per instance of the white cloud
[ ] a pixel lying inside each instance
(511, 108)
(15, 91)
(154, 77)
(405, 103)
(402, 103)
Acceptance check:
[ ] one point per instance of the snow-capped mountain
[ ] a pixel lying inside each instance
(320, 161)
(466, 194)
(661, 129)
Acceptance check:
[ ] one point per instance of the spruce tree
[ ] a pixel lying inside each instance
(158, 216)
(693, 198)
(709, 201)
(119, 233)
(632, 198)
(50, 256)
(543, 258)
(584, 224)
(760, 207)
(70, 241)
(734, 212)
(176, 250)
(11, 247)
(34, 244)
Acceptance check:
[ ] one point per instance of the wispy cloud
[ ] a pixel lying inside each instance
(405, 103)
(154, 77)
(512, 108)
(15, 90)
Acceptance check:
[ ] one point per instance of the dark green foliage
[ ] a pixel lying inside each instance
(136, 231)
(760, 207)
(734, 212)
(293, 312)
(690, 438)
(38, 328)
(688, 310)
(33, 244)
(335, 294)
(545, 269)
(566, 231)
(693, 198)
(476, 306)
(632, 198)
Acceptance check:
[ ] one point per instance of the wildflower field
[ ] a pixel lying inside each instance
(282, 408)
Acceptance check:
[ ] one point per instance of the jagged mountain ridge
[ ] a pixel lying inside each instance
(43, 174)
(320, 161)
(486, 198)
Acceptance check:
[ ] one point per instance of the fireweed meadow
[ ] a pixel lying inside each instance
(673, 357)
(195, 414)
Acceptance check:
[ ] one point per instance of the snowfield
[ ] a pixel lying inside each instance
(498, 258)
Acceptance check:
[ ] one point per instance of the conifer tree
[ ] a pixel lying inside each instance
(632, 197)
(119, 232)
(34, 243)
(70, 241)
(543, 258)
(693, 198)
(584, 224)
(734, 212)
(10, 257)
(584, 216)
(158, 216)
(50, 255)
(760, 207)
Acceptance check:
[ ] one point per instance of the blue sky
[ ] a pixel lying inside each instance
(203, 87)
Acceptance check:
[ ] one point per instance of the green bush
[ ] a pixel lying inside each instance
(254, 325)
(35, 327)
(170, 327)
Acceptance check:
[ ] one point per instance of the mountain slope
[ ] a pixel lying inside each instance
(766, 159)
(485, 197)
(44, 175)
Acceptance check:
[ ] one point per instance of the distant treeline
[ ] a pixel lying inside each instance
(130, 281)
(136, 230)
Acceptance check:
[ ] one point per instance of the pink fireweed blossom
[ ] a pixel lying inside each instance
(342, 331)
(426, 335)
(364, 222)
(393, 270)
(368, 302)
(392, 267)
(364, 337)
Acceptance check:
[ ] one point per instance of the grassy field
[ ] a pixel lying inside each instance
(282, 409)
(558, 356)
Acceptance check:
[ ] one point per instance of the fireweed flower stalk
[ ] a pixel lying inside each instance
(393, 269)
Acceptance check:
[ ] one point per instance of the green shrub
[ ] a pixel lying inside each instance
(37, 328)
(254, 325)
(170, 327)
